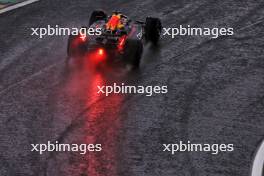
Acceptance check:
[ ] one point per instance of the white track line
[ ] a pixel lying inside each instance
(15, 6)
(258, 164)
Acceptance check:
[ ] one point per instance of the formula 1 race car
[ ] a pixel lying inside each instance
(120, 38)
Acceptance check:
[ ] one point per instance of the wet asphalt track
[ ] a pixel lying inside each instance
(215, 93)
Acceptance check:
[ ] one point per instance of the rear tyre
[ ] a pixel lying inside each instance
(133, 52)
(75, 47)
(152, 29)
(96, 16)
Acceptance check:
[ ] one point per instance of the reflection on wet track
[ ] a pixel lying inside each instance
(101, 122)
(102, 127)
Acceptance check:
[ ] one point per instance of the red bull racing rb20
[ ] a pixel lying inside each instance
(119, 37)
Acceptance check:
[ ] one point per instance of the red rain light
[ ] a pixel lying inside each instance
(100, 51)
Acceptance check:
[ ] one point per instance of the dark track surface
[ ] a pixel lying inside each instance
(216, 93)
